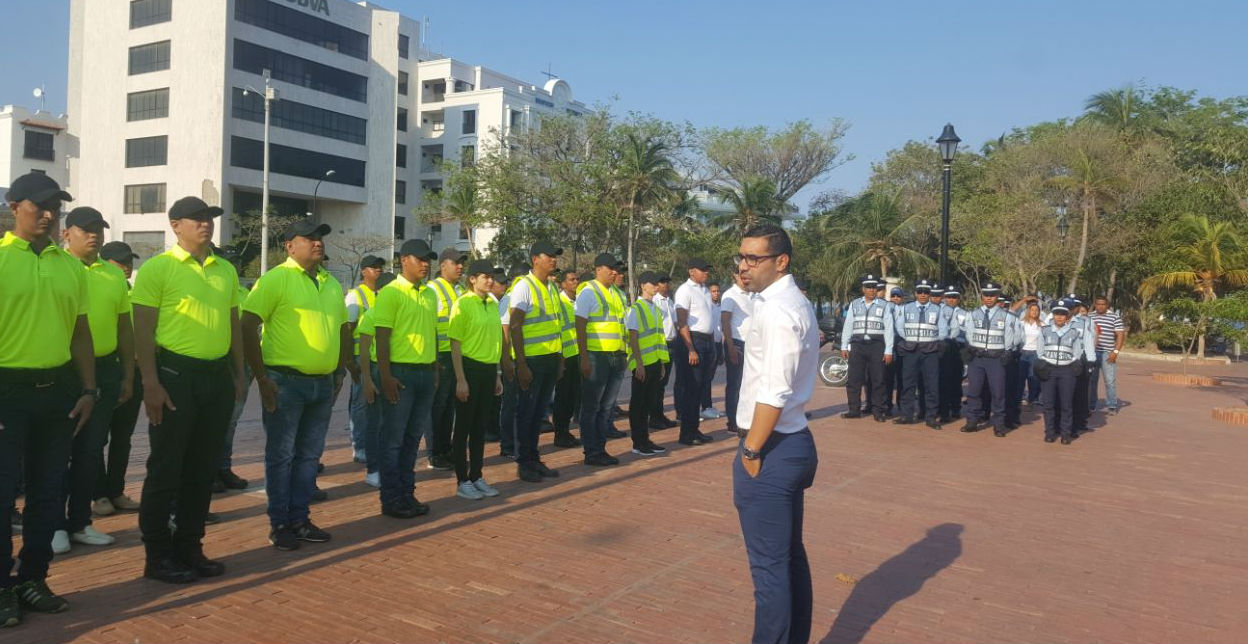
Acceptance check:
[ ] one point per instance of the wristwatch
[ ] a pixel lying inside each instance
(94, 393)
(749, 454)
(1115, 352)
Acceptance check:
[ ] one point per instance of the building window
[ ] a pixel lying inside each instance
(435, 229)
(465, 233)
(400, 191)
(400, 227)
(141, 106)
(404, 42)
(403, 83)
(467, 155)
(463, 86)
(149, 58)
(149, 12)
(291, 115)
(400, 156)
(39, 145)
(470, 122)
(402, 119)
(301, 25)
(299, 71)
(515, 118)
(249, 153)
(145, 244)
(145, 198)
(147, 151)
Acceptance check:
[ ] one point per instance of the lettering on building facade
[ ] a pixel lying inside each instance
(318, 6)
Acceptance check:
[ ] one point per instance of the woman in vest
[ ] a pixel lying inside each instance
(1065, 351)
(647, 354)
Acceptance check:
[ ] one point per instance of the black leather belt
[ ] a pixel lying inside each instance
(36, 377)
(291, 371)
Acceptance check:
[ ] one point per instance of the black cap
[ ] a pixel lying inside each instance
(606, 259)
(372, 261)
(118, 251)
(544, 248)
(37, 187)
(952, 290)
(664, 278)
(480, 267)
(455, 255)
(699, 263)
(84, 217)
(869, 281)
(385, 278)
(418, 248)
(1062, 306)
(306, 228)
(1074, 300)
(500, 274)
(924, 285)
(990, 288)
(193, 208)
(648, 277)
(518, 270)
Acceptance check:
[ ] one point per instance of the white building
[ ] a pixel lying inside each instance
(30, 141)
(160, 104)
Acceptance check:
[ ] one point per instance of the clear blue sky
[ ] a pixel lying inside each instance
(895, 70)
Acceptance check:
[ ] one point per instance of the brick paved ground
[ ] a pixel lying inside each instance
(1135, 533)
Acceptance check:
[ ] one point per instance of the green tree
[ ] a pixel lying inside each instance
(754, 202)
(868, 233)
(791, 158)
(1116, 108)
(644, 179)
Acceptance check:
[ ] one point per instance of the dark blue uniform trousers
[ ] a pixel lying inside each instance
(1013, 392)
(985, 371)
(1057, 395)
(770, 507)
(920, 370)
(951, 381)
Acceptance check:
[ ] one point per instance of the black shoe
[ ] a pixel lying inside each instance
(657, 449)
(691, 441)
(1066, 440)
(203, 566)
(528, 473)
(319, 495)
(851, 414)
(1013, 425)
(614, 433)
(998, 432)
(906, 420)
(10, 608)
(566, 439)
(283, 538)
(170, 571)
(644, 450)
(664, 423)
(545, 471)
(308, 531)
(1050, 439)
(401, 511)
(491, 437)
(706, 438)
(218, 486)
(320, 467)
(505, 453)
(440, 462)
(879, 417)
(35, 595)
(604, 459)
(230, 480)
(971, 426)
(546, 427)
(421, 509)
(211, 518)
(934, 425)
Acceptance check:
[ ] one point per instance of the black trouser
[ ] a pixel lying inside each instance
(443, 408)
(472, 416)
(531, 405)
(568, 394)
(707, 402)
(892, 381)
(87, 453)
(689, 382)
(1082, 383)
(111, 482)
(920, 371)
(951, 381)
(656, 414)
(641, 398)
(1013, 391)
(732, 390)
(35, 442)
(185, 452)
(1057, 395)
(986, 373)
(866, 365)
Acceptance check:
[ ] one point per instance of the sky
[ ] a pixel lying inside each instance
(894, 70)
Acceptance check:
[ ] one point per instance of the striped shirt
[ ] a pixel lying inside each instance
(1106, 325)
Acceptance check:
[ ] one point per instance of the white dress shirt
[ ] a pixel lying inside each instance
(738, 303)
(781, 356)
(696, 299)
(668, 311)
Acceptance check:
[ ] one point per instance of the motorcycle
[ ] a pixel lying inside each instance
(833, 369)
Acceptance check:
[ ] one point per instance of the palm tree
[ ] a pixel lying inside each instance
(460, 204)
(1093, 187)
(870, 233)
(1212, 257)
(644, 179)
(1117, 108)
(754, 202)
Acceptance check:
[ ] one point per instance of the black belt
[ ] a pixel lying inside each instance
(178, 361)
(291, 371)
(36, 377)
(112, 357)
(864, 339)
(703, 336)
(419, 366)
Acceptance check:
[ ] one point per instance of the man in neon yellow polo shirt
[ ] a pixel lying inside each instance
(108, 296)
(189, 347)
(299, 368)
(406, 336)
(43, 328)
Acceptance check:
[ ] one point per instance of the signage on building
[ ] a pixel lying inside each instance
(318, 6)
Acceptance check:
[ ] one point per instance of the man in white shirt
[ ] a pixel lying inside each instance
(735, 305)
(708, 407)
(778, 458)
(667, 309)
(695, 349)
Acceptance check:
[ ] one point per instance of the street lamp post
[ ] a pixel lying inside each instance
(1063, 227)
(948, 144)
(270, 95)
(316, 214)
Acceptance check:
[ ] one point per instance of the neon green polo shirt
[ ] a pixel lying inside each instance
(302, 318)
(194, 302)
(41, 297)
(108, 296)
(410, 311)
(367, 327)
(476, 326)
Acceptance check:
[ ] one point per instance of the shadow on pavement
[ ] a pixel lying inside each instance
(894, 580)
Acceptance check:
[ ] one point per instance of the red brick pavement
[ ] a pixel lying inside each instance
(1133, 534)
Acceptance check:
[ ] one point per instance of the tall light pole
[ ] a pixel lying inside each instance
(316, 215)
(1063, 227)
(270, 95)
(948, 144)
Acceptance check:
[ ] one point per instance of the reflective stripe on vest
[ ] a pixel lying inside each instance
(604, 330)
(542, 331)
(1060, 350)
(868, 320)
(569, 327)
(650, 338)
(989, 330)
(920, 328)
(445, 303)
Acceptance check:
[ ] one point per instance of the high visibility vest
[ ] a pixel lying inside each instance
(542, 326)
(987, 330)
(1060, 350)
(650, 339)
(568, 337)
(868, 319)
(448, 293)
(605, 329)
(367, 298)
(920, 328)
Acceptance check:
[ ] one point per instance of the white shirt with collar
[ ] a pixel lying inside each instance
(781, 356)
(739, 304)
(668, 311)
(696, 299)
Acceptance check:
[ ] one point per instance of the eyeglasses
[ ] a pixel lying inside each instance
(752, 260)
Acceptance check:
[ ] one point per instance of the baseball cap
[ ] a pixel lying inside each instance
(648, 277)
(306, 228)
(606, 259)
(898, 292)
(544, 248)
(83, 217)
(418, 248)
(454, 255)
(699, 263)
(37, 187)
(480, 267)
(193, 208)
(118, 251)
(372, 261)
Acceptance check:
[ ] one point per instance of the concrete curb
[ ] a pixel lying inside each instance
(1170, 357)
(1187, 379)
(1231, 415)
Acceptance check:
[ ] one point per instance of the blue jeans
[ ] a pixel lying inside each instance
(598, 393)
(507, 417)
(770, 507)
(1026, 370)
(294, 439)
(357, 417)
(1109, 371)
(402, 426)
(372, 425)
(532, 403)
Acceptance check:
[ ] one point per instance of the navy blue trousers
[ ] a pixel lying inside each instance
(1057, 394)
(985, 371)
(920, 370)
(770, 507)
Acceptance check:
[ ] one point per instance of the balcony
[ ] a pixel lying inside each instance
(432, 123)
(433, 92)
(430, 158)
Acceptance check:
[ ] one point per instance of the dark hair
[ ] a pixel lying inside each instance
(778, 241)
(1100, 298)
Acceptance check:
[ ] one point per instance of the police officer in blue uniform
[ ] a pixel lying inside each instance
(922, 329)
(867, 342)
(951, 358)
(1066, 351)
(989, 335)
(1013, 379)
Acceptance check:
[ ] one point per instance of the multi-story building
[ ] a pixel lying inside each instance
(30, 141)
(166, 99)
